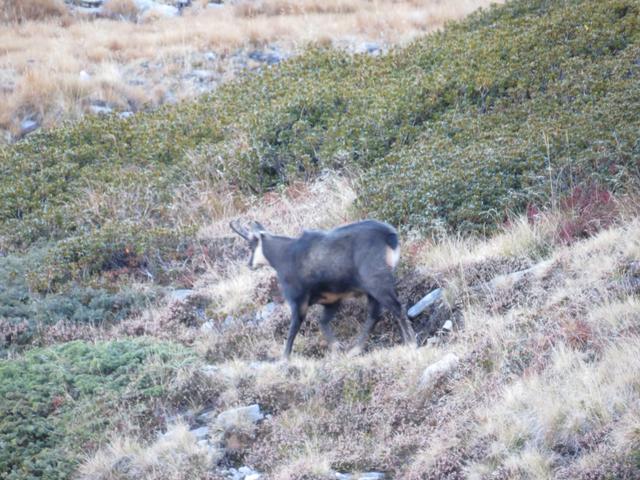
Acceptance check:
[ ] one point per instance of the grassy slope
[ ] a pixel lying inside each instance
(120, 200)
(158, 61)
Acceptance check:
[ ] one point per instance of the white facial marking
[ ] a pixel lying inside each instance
(258, 256)
(393, 256)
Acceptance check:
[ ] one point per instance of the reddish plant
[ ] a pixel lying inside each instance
(586, 210)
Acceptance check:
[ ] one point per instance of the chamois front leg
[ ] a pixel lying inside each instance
(298, 313)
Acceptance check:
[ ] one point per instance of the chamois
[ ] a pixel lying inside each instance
(324, 267)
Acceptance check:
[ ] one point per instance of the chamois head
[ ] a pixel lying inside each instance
(254, 236)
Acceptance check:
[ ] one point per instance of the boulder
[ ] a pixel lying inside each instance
(438, 370)
(229, 418)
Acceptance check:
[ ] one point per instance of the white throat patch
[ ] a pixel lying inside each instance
(258, 256)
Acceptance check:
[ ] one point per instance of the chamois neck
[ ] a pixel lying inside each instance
(276, 249)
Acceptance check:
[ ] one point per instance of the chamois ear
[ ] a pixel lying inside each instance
(240, 230)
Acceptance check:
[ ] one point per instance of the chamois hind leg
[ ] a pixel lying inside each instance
(382, 289)
(373, 315)
(327, 315)
(392, 303)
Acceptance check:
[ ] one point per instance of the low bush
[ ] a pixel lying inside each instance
(25, 313)
(58, 402)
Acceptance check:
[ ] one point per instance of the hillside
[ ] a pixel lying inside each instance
(504, 148)
(126, 56)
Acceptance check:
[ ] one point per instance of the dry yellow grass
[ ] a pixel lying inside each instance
(546, 384)
(25, 10)
(173, 456)
(53, 69)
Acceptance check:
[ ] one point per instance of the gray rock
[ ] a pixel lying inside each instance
(200, 433)
(183, 415)
(180, 295)
(435, 372)
(232, 474)
(206, 416)
(100, 109)
(144, 5)
(210, 369)
(229, 418)
(370, 48)
(270, 58)
(28, 125)
(210, 56)
(201, 75)
(126, 114)
(228, 321)
(160, 8)
(242, 473)
(360, 476)
(371, 476)
(425, 302)
(266, 312)
(166, 10)
(248, 473)
(207, 326)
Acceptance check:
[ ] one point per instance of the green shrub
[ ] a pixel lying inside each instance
(544, 96)
(516, 104)
(58, 402)
(23, 311)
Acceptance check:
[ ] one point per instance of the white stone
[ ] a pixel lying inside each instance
(207, 326)
(180, 294)
(210, 369)
(229, 418)
(426, 301)
(442, 367)
(266, 312)
(84, 76)
(165, 10)
(28, 126)
(448, 325)
(371, 476)
(100, 109)
(200, 433)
